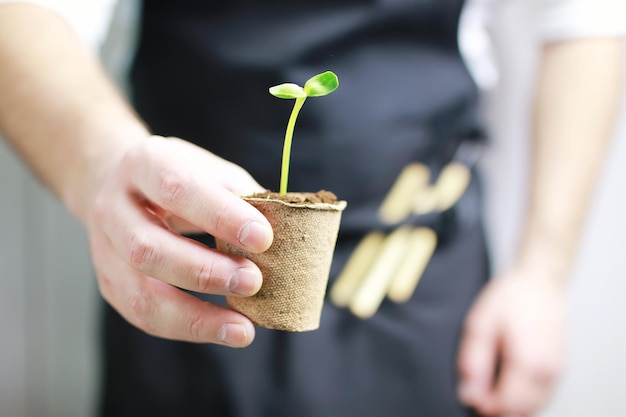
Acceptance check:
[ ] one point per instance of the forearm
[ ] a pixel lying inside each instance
(57, 106)
(579, 86)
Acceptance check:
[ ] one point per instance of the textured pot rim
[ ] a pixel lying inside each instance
(339, 206)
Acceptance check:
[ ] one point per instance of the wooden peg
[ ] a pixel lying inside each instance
(373, 287)
(426, 201)
(447, 190)
(398, 203)
(421, 244)
(356, 268)
(451, 184)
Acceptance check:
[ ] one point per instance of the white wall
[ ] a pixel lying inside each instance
(12, 320)
(48, 317)
(47, 303)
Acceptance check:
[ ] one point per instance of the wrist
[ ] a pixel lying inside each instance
(101, 153)
(544, 256)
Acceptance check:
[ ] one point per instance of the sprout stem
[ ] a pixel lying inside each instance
(284, 173)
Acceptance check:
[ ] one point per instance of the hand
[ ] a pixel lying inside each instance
(141, 261)
(513, 345)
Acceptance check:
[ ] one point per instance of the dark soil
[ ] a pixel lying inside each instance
(321, 196)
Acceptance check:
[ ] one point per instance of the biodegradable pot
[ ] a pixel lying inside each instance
(295, 268)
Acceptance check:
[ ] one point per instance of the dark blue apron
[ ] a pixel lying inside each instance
(202, 72)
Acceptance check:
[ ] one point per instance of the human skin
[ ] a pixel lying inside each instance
(128, 188)
(133, 192)
(518, 322)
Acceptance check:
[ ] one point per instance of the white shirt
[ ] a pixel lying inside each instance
(551, 19)
(89, 18)
(563, 19)
(506, 161)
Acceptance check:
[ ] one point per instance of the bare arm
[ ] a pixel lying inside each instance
(75, 130)
(579, 87)
(57, 107)
(518, 320)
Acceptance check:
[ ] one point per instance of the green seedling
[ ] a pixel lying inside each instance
(317, 86)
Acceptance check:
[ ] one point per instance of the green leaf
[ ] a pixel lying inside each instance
(321, 84)
(287, 90)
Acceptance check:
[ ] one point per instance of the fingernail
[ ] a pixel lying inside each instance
(233, 334)
(255, 236)
(245, 281)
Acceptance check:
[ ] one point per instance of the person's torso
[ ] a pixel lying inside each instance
(204, 68)
(202, 73)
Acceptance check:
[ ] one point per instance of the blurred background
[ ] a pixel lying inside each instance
(49, 305)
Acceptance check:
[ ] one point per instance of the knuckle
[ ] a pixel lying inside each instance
(173, 187)
(141, 251)
(139, 304)
(196, 327)
(205, 282)
(221, 215)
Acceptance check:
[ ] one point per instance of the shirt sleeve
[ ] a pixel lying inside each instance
(89, 18)
(555, 20)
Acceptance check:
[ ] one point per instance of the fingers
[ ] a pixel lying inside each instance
(478, 354)
(497, 379)
(524, 385)
(188, 184)
(165, 311)
(531, 362)
(512, 348)
(150, 248)
(142, 264)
